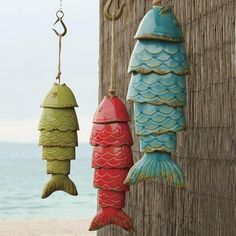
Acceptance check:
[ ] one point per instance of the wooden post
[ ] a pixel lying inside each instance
(207, 150)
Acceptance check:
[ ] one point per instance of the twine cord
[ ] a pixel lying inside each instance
(112, 90)
(58, 77)
(113, 17)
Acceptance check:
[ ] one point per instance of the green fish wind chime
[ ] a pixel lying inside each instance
(157, 88)
(58, 126)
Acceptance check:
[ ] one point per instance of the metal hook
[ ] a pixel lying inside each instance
(60, 15)
(156, 2)
(116, 15)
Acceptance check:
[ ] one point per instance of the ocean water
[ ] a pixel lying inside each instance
(23, 175)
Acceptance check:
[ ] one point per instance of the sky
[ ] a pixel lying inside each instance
(28, 63)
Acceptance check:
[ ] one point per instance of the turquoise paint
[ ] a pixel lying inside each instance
(161, 57)
(165, 142)
(151, 119)
(160, 23)
(157, 89)
(156, 164)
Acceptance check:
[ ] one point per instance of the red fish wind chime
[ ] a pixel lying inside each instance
(112, 155)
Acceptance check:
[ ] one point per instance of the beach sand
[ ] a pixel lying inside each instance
(45, 228)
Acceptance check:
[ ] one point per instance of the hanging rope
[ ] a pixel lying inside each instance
(113, 17)
(60, 15)
(112, 90)
(58, 77)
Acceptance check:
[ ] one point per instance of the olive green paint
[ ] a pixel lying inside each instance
(58, 136)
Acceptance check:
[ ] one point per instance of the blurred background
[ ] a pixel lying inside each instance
(28, 66)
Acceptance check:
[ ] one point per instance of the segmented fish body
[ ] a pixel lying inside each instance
(58, 136)
(112, 159)
(157, 88)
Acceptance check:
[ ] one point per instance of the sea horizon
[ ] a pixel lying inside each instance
(24, 171)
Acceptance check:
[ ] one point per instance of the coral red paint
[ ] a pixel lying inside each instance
(112, 159)
(110, 110)
(111, 134)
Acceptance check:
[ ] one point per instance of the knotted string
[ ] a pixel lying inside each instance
(58, 77)
(112, 90)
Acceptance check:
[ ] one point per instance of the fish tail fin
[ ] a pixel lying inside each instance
(59, 182)
(107, 216)
(156, 164)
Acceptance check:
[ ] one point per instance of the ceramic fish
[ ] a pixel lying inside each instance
(157, 88)
(112, 159)
(58, 136)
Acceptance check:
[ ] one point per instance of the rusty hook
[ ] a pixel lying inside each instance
(156, 2)
(116, 15)
(60, 15)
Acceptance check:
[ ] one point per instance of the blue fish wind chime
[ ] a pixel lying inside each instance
(157, 89)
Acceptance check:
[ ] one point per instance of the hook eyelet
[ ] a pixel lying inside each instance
(60, 14)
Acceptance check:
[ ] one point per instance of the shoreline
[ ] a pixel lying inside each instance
(45, 227)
